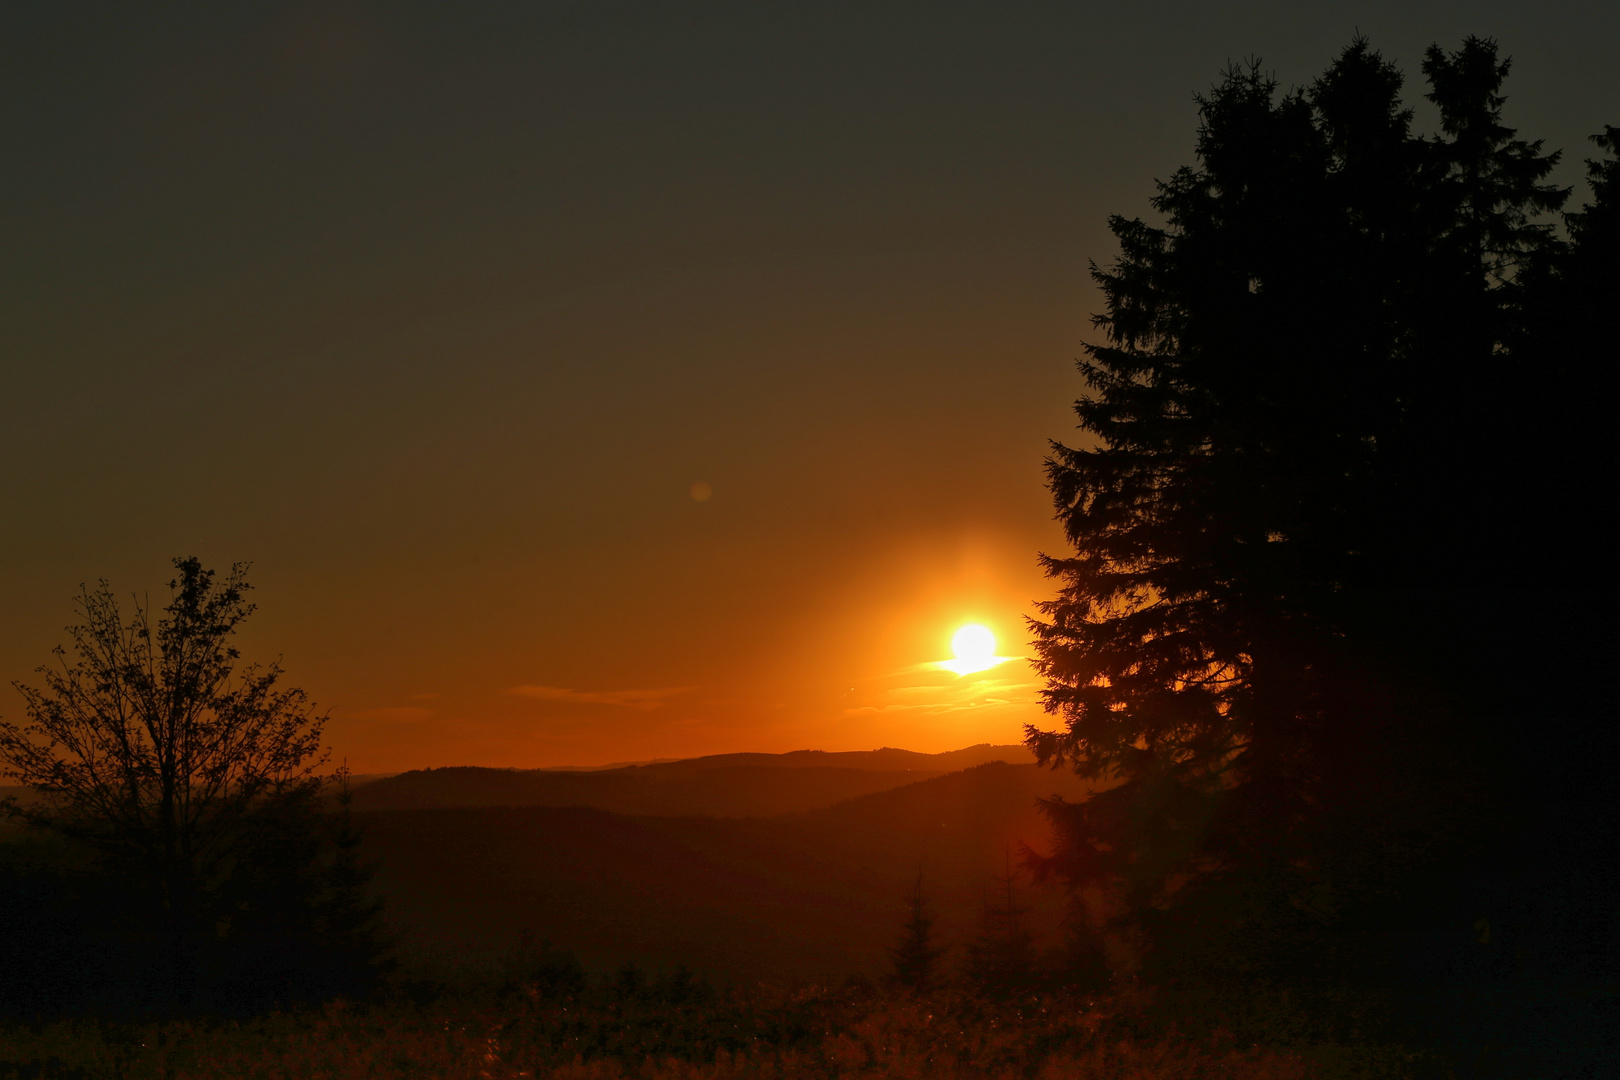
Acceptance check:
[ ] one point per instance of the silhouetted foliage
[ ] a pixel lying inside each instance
(1080, 961)
(545, 971)
(181, 787)
(1002, 957)
(1569, 341)
(916, 958)
(58, 932)
(1297, 516)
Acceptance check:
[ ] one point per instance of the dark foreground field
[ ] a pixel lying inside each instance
(678, 1031)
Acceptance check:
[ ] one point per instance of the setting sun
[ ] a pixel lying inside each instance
(974, 642)
(975, 649)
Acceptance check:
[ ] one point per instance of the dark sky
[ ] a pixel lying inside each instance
(437, 313)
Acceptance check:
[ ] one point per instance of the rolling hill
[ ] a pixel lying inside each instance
(808, 895)
(724, 785)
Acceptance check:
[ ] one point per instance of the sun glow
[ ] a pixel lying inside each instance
(975, 649)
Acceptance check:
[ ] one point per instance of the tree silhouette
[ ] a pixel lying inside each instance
(1081, 958)
(192, 779)
(1487, 221)
(1569, 340)
(1216, 520)
(1283, 525)
(916, 958)
(543, 970)
(1002, 957)
(1491, 184)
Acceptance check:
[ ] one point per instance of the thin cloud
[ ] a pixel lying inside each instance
(976, 689)
(950, 666)
(959, 695)
(627, 699)
(934, 707)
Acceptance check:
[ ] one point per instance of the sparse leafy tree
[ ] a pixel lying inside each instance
(192, 777)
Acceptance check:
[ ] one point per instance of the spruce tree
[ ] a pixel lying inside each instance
(1002, 957)
(1276, 516)
(1562, 466)
(1488, 220)
(1214, 516)
(916, 957)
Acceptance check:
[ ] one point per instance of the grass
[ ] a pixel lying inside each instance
(684, 1031)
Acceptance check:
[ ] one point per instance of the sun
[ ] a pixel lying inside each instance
(975, 649)
(973, 642)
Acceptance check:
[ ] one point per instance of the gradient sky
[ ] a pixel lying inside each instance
(436, 313)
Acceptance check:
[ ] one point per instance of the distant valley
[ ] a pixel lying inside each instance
(766, 867)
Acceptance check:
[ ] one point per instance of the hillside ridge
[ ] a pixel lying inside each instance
(720, 785)
(793, 896)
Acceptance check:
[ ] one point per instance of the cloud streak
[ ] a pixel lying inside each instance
(957, 695)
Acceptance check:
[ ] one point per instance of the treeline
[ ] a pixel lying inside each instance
(1003, 957)
(1338, 606)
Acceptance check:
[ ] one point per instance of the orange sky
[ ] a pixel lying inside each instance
(851, 664)
(438, 316)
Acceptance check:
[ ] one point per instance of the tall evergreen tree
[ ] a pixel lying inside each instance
(1493, 185)
(1571, 343)
(1489, 219)
(1281, 471)
(1564, 463)
(1214, 520)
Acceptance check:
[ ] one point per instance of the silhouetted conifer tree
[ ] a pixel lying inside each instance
(629, 982)
(1487, 219)
(352, 945)
(1002, 957)
(1081, 960)
(1595, 228)
(916, 958)
(1571, 344)
(1215, 521)
(1283, 512)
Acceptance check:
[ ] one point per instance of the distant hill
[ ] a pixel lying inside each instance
(723, 785)
(798, 896)
(885, 759)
